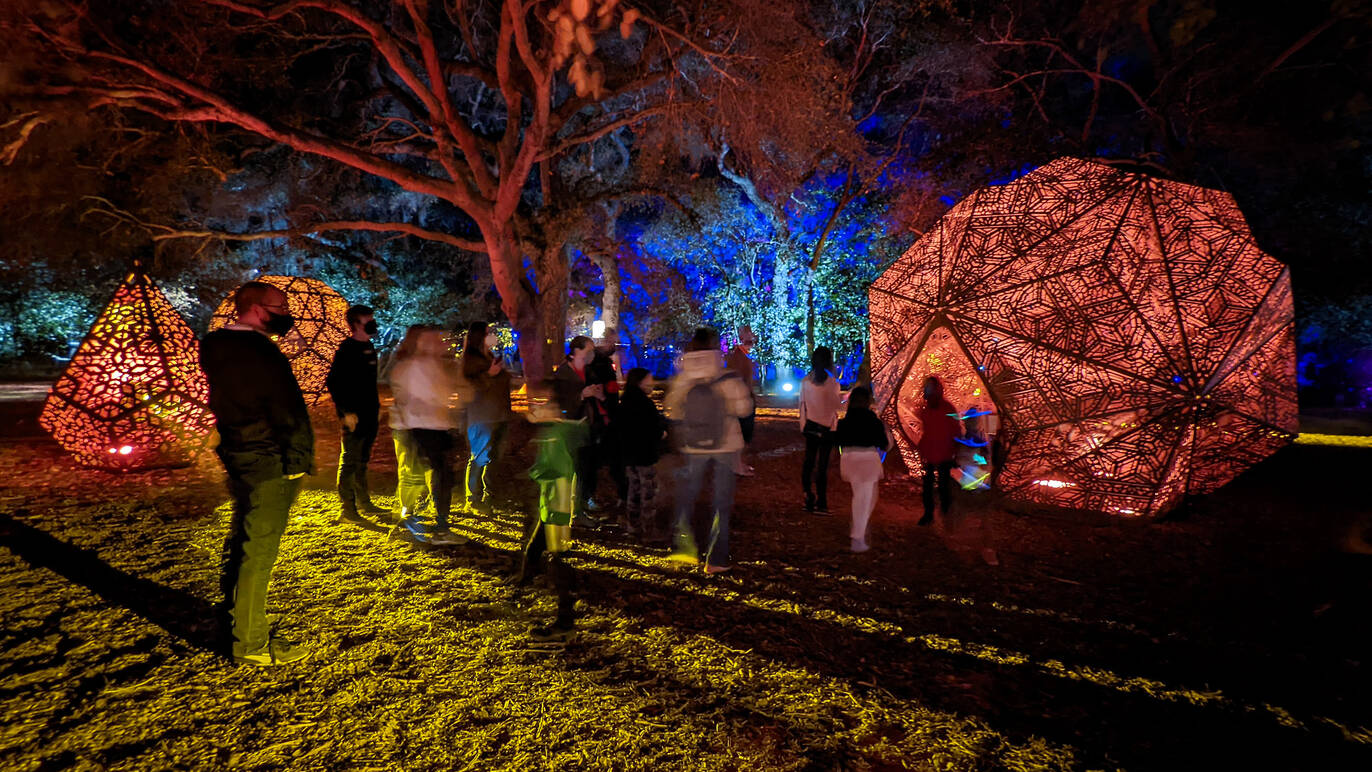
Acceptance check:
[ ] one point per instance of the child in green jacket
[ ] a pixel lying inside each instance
(559, 440)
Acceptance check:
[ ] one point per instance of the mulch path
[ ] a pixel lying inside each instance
(1235, 638)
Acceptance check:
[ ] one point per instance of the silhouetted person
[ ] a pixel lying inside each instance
(741, 365)
(939, 431)
(267, 446)
(352, 386)
(819, 402)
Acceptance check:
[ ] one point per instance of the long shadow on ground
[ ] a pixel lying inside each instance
(185, 616)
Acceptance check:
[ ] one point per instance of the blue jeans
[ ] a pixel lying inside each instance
(690, 478)
(484, 440)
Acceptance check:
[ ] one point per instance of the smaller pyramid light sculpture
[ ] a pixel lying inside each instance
(134, 396)
(320, 326)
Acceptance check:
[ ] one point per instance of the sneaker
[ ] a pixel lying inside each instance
(278, 651)
(551, 634)
(858, 545)
(711, 569)
(446, 538)
(822, 510)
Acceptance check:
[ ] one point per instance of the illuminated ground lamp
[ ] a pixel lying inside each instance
(133, 396)
(1129, 335)
(320, 325)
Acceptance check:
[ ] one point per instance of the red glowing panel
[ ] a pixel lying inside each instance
(134, 396)
(1136, 344)
(320, 326)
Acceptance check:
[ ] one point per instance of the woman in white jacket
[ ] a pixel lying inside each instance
(819, 404)
(424, 382)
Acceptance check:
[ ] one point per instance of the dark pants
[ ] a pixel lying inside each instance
(944, 471)
(817, 451)
(260, 513)
(746, 424)
(564, 578)
(600, 452)
(436, 447)
(485, 441)
(354, 452)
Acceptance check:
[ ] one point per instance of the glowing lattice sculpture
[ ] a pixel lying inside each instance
(320, 325)
(1135, 343)
(133, 396)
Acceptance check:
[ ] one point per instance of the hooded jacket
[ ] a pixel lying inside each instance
(698, 366)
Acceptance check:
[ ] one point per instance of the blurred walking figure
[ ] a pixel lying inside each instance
(641, 428)
(352, 386)
(862, 442)
(940, 429)
(705, 402)
(739, 364)
(819, 403)
(548, 530)
(487, 415)
(424, 383)
(267, 446)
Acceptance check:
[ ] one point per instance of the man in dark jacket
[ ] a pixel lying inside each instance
(352, 385)
(267, 446)
(578, 398)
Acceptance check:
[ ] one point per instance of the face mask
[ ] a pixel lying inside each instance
(492, 341)
(279, 324)
(370, 327)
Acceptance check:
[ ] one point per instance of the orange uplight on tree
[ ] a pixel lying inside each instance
(320, 326)
(134, 396)
(1134, 340)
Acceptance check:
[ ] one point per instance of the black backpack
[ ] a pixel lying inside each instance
(705, 415)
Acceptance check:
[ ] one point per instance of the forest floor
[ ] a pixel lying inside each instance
(1237, 638)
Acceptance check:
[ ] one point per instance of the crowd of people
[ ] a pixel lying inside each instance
(589, 417)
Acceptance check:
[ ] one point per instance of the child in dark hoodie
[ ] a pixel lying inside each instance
(641, 430)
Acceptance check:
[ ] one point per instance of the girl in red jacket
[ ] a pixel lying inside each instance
(940, 428)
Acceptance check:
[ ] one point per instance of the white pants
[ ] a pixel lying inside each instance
(861, 467)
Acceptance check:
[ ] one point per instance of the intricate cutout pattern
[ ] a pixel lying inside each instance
(1136, 342)
(320, 325)
(133, 396)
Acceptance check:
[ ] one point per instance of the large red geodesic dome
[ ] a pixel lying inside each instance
(320, 326)
(1133, 343)
(133, 396)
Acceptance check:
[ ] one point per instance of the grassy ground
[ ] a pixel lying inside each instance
(1236, 638)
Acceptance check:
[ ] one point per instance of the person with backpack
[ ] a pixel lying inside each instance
(705, 402)
(641, 428)
(819, 402)
(862, 442)
(940, 429)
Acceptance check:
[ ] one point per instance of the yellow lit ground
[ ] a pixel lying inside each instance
(1229, 640)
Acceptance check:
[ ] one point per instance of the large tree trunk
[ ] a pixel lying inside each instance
(609, 298)
(543, 333)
